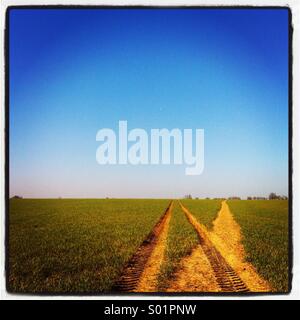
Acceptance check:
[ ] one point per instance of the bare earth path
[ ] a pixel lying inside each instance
(218, 263)
(195, 274)
(140, 273)
(148, 279)
(226, 278)
(226, 236)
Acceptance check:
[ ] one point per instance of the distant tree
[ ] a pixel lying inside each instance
(188, 196)
(249, 198)
(273, 196)
(282, 197)
(17, 197)
(234, 198)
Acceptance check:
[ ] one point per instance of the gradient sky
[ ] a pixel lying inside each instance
(73, 72)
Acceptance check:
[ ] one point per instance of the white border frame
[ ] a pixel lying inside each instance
(295, 8)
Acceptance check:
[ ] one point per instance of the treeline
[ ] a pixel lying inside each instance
(272, 196)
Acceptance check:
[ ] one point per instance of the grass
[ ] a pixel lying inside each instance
(205, 211)
(264, 225)
(182, 238)
(81, 246)
(69, 245)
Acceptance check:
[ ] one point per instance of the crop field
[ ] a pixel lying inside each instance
(264, 226)
(105, 245)
(181, 239)
(203, 210)
(75, 245)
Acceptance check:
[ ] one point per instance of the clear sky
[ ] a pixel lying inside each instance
(73, 72)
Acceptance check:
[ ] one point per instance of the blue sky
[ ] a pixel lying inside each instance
(73, 72)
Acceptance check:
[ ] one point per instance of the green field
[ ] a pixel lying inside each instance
(205, 211)
(182, 238)
(75, 245)
(264, 225)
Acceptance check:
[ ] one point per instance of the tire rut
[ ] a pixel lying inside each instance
(133, 270)
(226, 277)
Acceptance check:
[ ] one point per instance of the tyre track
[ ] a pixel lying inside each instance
(226, 277)
(226, 236)
(130, 278)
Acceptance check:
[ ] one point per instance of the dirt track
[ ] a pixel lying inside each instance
(226, 236)
(139, 275)
(226, 277)
(148, 280)
(217, 264)
(195, 274)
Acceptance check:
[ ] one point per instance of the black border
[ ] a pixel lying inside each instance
(290, 148)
